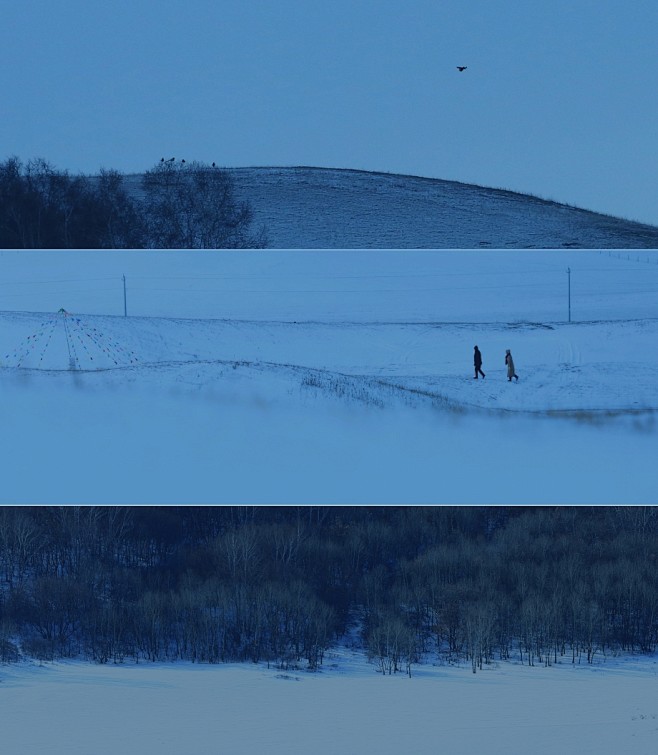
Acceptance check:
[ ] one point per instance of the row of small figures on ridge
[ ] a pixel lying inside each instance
(173, 159)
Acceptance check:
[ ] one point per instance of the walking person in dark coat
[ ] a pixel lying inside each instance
(510, 366)
(477, 361)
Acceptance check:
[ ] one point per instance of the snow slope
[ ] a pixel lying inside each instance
(340, 209)
(322, 208)
(77, 709)
(328, 377)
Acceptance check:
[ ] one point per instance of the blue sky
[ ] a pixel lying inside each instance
(559, 98)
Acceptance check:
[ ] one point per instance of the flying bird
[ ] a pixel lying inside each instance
(462, 68)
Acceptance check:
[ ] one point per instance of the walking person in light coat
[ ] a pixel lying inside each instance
(477, 361)
(510, 366)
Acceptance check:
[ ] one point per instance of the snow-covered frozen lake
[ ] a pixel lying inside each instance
(300, 377)
(166, 709)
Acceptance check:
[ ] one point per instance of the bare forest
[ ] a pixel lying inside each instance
(284, 584)
(177, 205)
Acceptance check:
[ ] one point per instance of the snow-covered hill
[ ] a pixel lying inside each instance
(315, 208)
(328, 377)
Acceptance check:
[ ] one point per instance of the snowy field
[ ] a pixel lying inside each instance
(77, 709)
(328, 377)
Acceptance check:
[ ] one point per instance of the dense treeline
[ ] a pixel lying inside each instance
(180, 206)
(540, 585)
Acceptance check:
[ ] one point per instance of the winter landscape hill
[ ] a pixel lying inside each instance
(334, 377)
(321, 208)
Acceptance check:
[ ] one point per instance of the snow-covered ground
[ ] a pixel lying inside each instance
(167, 709)
(328, 377)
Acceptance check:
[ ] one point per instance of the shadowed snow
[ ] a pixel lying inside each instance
(346, 708)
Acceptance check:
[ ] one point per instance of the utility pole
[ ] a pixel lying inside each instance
(569, 290)
(125, 303)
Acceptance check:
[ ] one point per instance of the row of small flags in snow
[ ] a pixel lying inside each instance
(97, 338)
(112, 349)
(30, 343)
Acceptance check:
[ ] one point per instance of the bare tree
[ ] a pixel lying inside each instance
(113, 217)
(192, 206)
(20, 541)
(391, 643)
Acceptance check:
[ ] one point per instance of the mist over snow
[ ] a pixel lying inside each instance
(328, 377)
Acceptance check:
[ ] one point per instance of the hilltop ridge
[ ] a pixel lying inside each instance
(341, 208)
